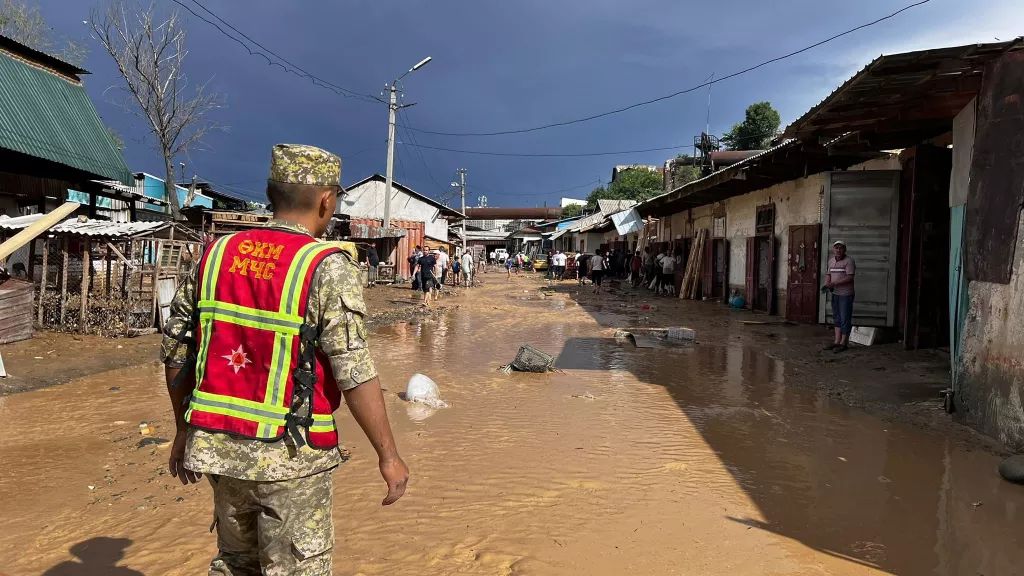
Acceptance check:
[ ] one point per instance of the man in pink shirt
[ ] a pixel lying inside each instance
(839, 281)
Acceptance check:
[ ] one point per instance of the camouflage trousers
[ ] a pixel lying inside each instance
(279, 528)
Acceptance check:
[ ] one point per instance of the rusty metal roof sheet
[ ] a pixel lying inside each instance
(904, 92)
(86, 227)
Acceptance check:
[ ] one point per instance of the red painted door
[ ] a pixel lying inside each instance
(802, 286)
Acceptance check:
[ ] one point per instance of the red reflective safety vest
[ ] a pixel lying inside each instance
(252, 297)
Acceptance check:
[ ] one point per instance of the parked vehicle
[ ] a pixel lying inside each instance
(540, 262)
(501, 255)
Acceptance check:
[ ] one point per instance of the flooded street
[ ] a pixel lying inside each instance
(695, 459)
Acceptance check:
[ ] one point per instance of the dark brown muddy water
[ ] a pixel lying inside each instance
(695, 459)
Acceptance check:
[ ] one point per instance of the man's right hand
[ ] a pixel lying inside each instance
(396, 475)
(176, 462)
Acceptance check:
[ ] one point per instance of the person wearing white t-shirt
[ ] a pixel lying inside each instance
(442, 263)
(597, 269)
(668, 274)
(557, 265)
(467, 268)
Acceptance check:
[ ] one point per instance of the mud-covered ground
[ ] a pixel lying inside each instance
(739, 453)
(52, 358)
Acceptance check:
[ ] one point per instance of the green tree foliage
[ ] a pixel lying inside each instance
(637, 184)
(25, 24)
(760, 125)
(572, 210)
(683, 172)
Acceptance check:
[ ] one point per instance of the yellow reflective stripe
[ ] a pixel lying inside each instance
(205, 327)
(297, 274)
(241, 403)
(280, 366)
(284, 318)
(208, 284)
(322, 423)
(235, 413)
(250, 317)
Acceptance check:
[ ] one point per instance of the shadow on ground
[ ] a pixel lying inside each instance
(777, 412)
(95, 557)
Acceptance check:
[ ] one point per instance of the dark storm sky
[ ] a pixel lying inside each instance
(508, 65)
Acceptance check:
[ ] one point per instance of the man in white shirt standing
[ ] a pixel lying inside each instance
(467, 268)
(442, 263)
(668, 274)
(597, 269)
(558, 265)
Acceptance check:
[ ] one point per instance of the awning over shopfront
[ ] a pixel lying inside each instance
(899, 100)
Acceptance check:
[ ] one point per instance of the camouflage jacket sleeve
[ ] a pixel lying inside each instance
(337, 302)
(178, 343)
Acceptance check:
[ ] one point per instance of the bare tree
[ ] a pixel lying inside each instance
(150, 54)
(25, 24)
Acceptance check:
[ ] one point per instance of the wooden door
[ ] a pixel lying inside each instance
(770, 262)
(707, 284)
(720, 269)
(802, 285)
(751, 277)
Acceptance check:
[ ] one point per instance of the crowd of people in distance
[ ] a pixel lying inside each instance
(434, 269)
(654, 271)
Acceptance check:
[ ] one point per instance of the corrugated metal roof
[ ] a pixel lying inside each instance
(612, 206)
(49, 116)
(445, 211)
(897, 92)
(86, 227)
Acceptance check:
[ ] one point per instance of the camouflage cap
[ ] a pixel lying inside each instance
(301, 164)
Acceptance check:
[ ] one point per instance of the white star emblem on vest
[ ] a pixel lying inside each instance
(237, 359)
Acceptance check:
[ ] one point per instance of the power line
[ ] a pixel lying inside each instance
(419, 153)
(549, 155)
(684, 91)
(288, 66)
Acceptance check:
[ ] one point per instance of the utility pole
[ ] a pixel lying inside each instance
(462, 188)
(392, 110)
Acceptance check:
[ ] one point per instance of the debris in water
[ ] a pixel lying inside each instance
(841, 458)
(418, 412)
(144, 429)
(976, 504)
(1012, 469)
(421, 389)
(529, 359)
(649, 337)
(153, 441)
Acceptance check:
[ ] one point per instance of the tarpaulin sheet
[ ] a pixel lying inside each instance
(627, 221)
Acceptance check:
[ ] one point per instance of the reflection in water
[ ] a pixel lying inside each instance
(694, 459)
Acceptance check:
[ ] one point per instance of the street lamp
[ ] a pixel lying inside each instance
(392, 110)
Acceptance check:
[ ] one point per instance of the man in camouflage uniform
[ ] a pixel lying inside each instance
(272, 500)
